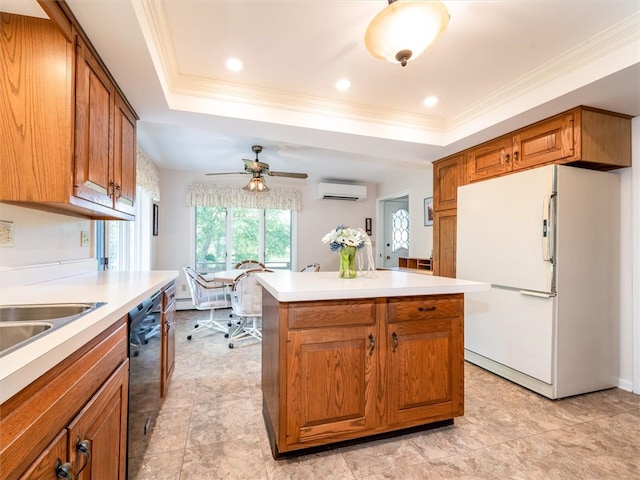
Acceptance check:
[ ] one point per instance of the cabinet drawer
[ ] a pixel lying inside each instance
(410, 309)
(331, 314)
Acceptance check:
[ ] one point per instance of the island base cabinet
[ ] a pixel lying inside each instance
(338, 371)
(428, 372)
(331, 381)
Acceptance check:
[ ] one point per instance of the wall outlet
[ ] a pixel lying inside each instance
(84, 238)
(6, 233)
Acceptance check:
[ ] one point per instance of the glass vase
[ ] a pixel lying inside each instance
(347, 262)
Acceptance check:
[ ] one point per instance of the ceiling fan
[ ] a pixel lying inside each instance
(257, 169)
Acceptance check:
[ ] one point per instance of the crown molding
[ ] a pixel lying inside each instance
(623, 33)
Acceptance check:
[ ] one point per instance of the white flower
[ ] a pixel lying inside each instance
(343, 236)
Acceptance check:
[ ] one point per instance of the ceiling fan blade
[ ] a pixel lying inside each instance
(227, 173)
(288, 174)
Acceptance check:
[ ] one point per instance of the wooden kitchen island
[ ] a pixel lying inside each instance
(350, 359)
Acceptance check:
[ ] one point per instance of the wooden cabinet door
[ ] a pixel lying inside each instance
(444, 243)
(426, 358)
(331, 381)
(447, 177)
(490, 159)
(168, 337)
(95, 97)
(101, 426)
(124, 157)
(44, 468)
(545, 142)
(36, 81)
(168, 355)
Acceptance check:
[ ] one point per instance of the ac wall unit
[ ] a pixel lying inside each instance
(340, 191)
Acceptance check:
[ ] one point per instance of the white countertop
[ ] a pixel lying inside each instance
(120, 290)
(298, 286)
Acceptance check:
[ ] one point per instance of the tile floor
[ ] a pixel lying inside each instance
(211, 427)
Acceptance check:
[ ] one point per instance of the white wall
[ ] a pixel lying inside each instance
(42, 237)
(174, 243)
(417, 184)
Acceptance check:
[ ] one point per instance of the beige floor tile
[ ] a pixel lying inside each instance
(211, 427)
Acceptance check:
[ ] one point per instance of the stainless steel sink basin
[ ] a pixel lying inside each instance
(31, 313)
(15, 333)
(21, 324)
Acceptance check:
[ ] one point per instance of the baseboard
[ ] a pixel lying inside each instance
(625, 385)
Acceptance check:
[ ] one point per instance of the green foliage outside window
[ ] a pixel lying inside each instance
(245, 234)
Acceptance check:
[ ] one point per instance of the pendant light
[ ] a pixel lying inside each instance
(405, 28)
(256, 184)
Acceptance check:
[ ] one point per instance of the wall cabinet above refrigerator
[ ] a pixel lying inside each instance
(581, 137)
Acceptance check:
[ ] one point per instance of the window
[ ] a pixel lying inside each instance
(224, 237)
(400, 229)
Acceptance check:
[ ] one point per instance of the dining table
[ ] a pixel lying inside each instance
(228, 277)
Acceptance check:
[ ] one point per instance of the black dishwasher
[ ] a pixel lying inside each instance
(144, 377)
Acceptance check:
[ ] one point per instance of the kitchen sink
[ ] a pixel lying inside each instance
(31, 313)
(12, 334)
(20, 324)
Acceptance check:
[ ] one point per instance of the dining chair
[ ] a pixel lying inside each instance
(247, 306)
(248, 265)
(312, 267)
(208, 295)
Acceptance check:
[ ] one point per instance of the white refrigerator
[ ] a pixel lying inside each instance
(547, 240)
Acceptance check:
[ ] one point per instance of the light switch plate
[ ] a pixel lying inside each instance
(6, 233)
(84, 238)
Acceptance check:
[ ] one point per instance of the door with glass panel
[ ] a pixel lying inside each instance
(396, 231)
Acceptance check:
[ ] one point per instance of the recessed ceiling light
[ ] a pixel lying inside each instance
(343, 84)
(430, 101)
(234, 64)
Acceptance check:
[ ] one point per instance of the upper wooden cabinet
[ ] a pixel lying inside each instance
(583, 137)
(105, 143)
(68, 140)
(448, 175)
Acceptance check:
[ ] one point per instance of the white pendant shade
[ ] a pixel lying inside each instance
(408, 26)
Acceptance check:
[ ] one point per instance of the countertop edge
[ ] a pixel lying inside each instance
(21, 367)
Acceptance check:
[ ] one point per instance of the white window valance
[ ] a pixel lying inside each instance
(230, 196)
(147, 175)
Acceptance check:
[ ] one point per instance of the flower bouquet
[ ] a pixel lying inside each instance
(346, 241)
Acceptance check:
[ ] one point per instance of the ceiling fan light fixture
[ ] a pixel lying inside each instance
(256, 185)
(405, 28)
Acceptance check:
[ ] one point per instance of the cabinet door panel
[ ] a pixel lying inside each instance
(490, 159)
(103, 424)
(330, 376)
(426, 361)
(168, 352)
(546, 142)
(124, 157)
(94, 133)
(444, 243)
(44, 468)
(447, 177)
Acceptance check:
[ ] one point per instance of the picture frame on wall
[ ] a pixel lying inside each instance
(428, 211)
(155, 220)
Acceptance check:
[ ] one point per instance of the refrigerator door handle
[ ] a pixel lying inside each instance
(546, 229)
(531, 293)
